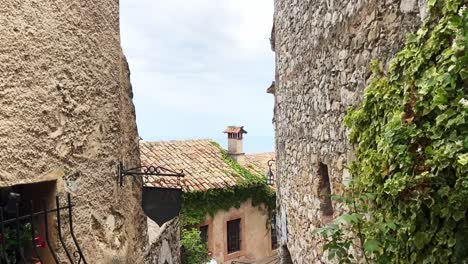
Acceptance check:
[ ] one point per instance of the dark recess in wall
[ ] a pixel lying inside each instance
(326, 206)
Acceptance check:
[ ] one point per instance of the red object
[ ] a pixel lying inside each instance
(40, 243)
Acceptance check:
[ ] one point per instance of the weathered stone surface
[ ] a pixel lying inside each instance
(323, 51)
(408, 6)
(66, 106)
(166, 246)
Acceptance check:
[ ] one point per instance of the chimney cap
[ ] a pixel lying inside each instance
(235, 129)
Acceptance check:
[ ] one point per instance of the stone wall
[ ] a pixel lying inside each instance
(165, 249)
(66, 106)
(323, 52)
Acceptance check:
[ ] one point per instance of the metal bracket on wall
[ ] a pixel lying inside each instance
(144, 171)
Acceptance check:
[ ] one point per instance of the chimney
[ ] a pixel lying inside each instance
(235, 144)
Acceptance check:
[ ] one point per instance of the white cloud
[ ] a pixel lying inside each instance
(251, 23)
(199, 64)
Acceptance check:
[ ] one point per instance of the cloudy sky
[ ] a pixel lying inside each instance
(198, 66)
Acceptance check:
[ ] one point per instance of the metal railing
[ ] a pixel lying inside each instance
(12, 245)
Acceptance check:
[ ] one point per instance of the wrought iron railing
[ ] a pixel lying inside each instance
(18, 221)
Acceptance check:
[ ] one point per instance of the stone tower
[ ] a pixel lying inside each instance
(323, 52)
(67, 118)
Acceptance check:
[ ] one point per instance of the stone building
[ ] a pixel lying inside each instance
(237, 234)
(323, 52)
(67, 118)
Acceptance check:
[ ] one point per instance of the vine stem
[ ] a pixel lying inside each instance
(360, 234)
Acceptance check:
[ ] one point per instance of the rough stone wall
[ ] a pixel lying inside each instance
(323, 52)
(66, 106)
(166, 247)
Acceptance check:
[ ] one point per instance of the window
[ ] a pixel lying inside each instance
(204, 233)
(19, 197)
(326, 206)
(233, 236)
(274, 238)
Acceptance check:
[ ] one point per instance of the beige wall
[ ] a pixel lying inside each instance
(255, 236)
(66, 106)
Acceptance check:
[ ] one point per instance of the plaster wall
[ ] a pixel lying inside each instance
(67, 116)
(255, 234)
(323, 52)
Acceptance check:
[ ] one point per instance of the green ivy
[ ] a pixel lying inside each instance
(11, 243)
(193, 250)
(198, 204)
(409, 195)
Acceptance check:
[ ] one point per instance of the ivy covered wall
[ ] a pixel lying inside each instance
(323, 52)
(408, 198)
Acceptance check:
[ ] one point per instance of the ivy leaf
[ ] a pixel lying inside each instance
(464, 74)
(372, 246)
(463, 159)
(420, 239)
(444, 191)
(458, 215)
(391, 225)
(348, 219)
(431, 3)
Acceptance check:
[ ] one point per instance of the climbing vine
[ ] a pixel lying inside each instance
(408, 201)
(197, 205)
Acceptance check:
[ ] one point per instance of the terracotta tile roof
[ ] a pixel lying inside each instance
(235, 129)
(201, 161)
(258, 163)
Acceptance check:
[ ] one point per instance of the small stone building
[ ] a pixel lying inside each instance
(67, 119)
(323, 53)
(238, 234)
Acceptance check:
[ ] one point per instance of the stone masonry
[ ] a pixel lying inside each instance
(66, 106)
(323, 52)
(166, 246)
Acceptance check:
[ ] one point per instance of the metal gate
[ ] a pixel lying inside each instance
(16, 229)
